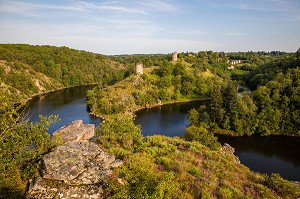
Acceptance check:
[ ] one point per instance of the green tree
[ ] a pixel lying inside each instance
(193, 116)
(21, 147)
(119, 131)
(202, 135)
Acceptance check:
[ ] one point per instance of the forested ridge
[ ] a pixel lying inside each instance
(27, 70)
(166, 81)
(273, 107)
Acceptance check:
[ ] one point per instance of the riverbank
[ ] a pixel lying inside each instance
(170, 120)
(104, 116)
(53, 90)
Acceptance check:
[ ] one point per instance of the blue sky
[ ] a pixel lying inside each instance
(153, 26)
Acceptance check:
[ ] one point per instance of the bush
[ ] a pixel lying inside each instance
(202, 135)
(21, 147)
(282, 187)
(143, 181)
(119, 131)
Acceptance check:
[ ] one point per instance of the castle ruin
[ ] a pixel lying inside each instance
(139, 69)
(174, 56)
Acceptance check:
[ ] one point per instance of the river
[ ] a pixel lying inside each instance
(272, 154)
(68, 103)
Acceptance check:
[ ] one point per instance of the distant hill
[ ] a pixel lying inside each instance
(27, 70)
(167, 83)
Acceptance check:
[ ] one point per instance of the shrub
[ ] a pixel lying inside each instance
(282, 187)
(202, 135)
(119, 131)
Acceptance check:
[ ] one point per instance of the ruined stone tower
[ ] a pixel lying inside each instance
(174, 56)
(138, 69)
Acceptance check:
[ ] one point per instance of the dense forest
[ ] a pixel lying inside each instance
(273, 107)
(194, 166)
(27, 70)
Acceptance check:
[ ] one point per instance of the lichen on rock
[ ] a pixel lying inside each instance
(75, 169)
(75, 131)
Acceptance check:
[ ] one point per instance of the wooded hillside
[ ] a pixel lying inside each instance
(27, 70)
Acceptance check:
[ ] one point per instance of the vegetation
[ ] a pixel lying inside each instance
(272, 108)
(168, 82)
(22, 145)
(27, 70)
(154, 166)
(164, 167)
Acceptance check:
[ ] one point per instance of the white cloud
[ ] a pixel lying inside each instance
(141, 45)
(24, 7)
(109, 6)
(158, 5)
(74, 6)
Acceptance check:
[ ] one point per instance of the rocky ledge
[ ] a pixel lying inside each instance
(75, 131)
(226, 149)
(76, 169)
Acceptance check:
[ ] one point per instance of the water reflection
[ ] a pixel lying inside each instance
(168, 120)
(271, 154)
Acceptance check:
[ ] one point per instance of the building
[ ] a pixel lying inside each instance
(174, 56)
(233, 62)
(139, 69)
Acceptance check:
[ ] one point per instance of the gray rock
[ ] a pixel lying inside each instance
(79, 162)
(48, 189)
(75, 131)
(77, 169)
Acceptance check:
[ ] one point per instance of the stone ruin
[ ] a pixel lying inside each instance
(174, 56)
(139, 69)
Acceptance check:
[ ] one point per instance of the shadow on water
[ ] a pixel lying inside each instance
(169, 119)
(270, 154)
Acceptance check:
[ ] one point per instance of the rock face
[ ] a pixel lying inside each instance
(229, 150)
(75, 131)
(76, 169)
(77, 163)
(49, 189)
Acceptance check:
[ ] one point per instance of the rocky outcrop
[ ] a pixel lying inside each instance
(76, 169)
(75, 131)
(229, 150)
(77, 163)
(48, 189)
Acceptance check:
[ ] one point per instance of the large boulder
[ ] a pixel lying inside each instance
(50, 189)
(75, 131)
(77, 169)
(79, 162)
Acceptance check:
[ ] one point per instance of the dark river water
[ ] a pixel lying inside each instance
(272, 154)
(69, 104)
